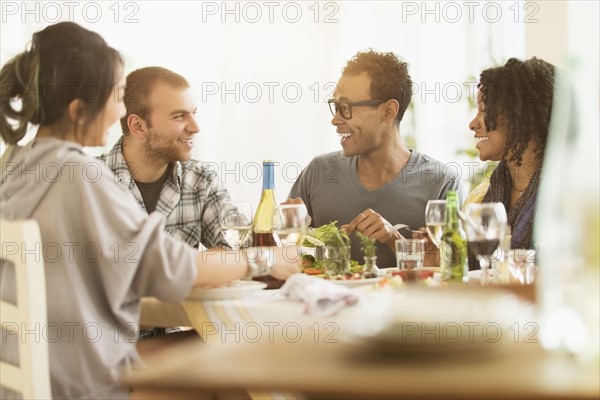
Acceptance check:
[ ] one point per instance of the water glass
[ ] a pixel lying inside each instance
(337, 260)
(410, 253)
(235, 219)
(290, 223)
(435, 220)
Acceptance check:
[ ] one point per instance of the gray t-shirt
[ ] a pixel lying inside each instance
(101, 253)
(332, 191)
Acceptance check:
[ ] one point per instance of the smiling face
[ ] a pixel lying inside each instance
(363, 133)
(492, 144)
(171, 124)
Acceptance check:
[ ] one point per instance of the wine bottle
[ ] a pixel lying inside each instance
(262, 227)
(453, 245)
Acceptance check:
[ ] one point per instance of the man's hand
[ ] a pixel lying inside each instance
(296, 200)
(373, 225)
(432, 253)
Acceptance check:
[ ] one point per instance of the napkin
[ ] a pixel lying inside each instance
(320, 297)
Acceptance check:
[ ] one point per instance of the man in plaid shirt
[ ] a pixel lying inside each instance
(153, 159)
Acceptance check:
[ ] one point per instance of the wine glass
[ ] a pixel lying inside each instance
(435, 220)
(235, 218)
(290, 223)
(485, 226)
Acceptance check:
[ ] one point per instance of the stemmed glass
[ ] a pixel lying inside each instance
(290, 223)
(435, 220)
(485, 225)
(235, 218)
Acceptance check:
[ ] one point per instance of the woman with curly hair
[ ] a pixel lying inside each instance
(514, 103)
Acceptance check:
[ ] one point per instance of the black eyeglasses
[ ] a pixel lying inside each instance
(345, 108)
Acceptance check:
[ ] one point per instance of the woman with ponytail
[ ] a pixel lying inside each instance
(101, 253)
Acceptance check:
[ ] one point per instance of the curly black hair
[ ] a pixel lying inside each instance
(389, 77)
(521, 92)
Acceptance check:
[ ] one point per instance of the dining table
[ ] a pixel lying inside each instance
(404, 341)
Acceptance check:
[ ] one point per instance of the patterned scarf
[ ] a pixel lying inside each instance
(520, 217)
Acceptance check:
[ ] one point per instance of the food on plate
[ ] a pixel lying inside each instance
(308, 261)
(334, 246)
(349, 276)
(310, 266)
(413, 274)
(328, 234)
(312, 271)
(393, 280)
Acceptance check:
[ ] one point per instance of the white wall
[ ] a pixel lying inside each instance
(446, 43)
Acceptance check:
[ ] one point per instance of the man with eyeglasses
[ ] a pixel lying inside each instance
(375, 185)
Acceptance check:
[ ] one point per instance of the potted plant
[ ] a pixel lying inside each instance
(367, 245)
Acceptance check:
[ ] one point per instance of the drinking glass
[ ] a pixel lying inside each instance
(435, 220)
(521, 263)
(290, 223)
(410, 253)
(485, 224)
(235, 218)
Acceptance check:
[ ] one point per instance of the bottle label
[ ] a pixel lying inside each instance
(269, 175)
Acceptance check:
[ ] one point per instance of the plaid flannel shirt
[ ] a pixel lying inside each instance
(190, 199)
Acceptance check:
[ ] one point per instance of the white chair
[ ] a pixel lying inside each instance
(25, 320)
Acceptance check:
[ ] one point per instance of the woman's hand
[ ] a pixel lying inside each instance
(286, 261)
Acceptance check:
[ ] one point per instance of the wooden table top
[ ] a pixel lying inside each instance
(354, 370)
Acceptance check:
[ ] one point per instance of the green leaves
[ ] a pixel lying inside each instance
(367, 245)
(330, 235)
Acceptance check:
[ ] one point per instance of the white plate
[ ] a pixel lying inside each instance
(355, 282)
(234, 290)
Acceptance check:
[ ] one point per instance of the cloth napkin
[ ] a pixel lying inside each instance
(320, 297)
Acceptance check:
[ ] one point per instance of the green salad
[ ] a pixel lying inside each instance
(333, 239)
(367, 245)
(329, 234)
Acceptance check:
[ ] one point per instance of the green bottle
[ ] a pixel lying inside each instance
(453, 245)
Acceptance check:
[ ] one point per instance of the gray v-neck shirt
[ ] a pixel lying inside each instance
(332, 191)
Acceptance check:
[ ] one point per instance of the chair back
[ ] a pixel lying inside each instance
(25, 321)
